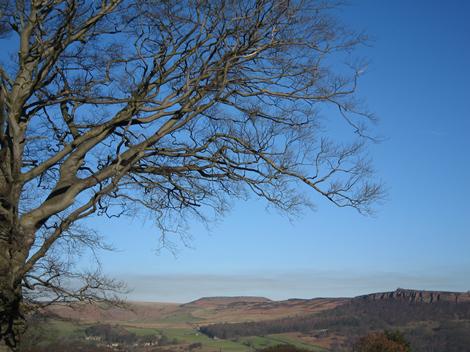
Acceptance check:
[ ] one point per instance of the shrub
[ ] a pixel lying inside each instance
(387, 341)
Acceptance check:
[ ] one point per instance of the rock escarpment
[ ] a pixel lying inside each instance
(418, 296)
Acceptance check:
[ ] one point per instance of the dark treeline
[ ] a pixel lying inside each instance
(68, 346)
(444, 324)
(369, 314)
(283, 348)
(118, 334)
(111, 334)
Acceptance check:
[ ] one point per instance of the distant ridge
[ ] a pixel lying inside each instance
(429, 320)
(421, 296)
(225, 300)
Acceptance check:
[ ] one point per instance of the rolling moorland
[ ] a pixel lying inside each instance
(430, 321)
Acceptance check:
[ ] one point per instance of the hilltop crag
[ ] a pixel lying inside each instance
(418, 296)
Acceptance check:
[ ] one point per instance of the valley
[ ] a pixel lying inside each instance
(239, 324)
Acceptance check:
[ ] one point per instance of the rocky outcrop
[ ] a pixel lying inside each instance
(418, 296)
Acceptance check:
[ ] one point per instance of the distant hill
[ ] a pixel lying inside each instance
(421, 296)
(203, 311)
(222, 300)
(132, 311)
(431, 320)
(251, 308)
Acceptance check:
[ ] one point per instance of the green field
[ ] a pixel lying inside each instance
(57, 330)
(193, 336)
(260, 342)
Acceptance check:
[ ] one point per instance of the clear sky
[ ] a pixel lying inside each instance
(418, 84)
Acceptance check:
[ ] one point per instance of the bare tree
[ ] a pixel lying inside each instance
(172, 106)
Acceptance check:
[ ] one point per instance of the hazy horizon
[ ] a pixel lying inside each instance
(183, 288)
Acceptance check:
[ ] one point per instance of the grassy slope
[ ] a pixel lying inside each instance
(64, 329)
(259, 342)
(180, 321)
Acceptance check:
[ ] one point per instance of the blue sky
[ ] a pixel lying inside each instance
(418, 84)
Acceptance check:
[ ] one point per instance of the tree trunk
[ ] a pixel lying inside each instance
(4, 348)
(12, 322)
(14, 249)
